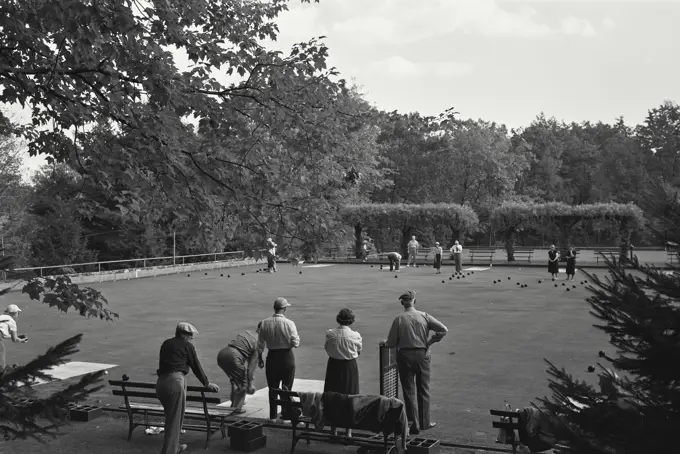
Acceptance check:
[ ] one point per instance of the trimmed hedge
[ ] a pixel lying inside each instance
(526, 215)
(511, 217)
(457, 217)
(369, 216)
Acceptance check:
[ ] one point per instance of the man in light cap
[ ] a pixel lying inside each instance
(271, 255)
(395, 260)
(8, 330)
(177, 357)
(280, 336)
(410, 335)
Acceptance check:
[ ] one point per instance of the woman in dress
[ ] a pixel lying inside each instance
(553, 262)
(343, 346)
(571, 263)
(438, 251)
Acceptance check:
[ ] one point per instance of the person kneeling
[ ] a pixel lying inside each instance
(238, 360)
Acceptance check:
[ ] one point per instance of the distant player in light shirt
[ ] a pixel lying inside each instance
(271, 255)
(413, 247)
(8, 330)
(457, 251)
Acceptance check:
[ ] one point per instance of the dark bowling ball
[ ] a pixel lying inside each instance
(591, 369)
(457, 277)
(574, 286)
(556, 285)
(188, 275)
(553, 279)
(206, 274)
(563, 284)
(371, 266)
(508, 277)
(600, 354)
(568, 289)
(518, 283)
(395, 276)
(540, 281)
(243, 274)
(125, 377)
(221, 275)
(450, 278)
(228, 275)
(494, 282)
(472, 272)
(300, 272)
(443, 282)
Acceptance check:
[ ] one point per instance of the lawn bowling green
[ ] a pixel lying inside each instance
(499, 333)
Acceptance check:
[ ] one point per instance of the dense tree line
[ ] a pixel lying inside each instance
(75, 210)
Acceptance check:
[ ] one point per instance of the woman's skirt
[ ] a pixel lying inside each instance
(437, 261)
(553, 267)
(342, 376)
(571, 266)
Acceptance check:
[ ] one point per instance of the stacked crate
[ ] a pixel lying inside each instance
(246, 436)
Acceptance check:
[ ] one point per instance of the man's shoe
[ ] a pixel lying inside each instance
(182, 448)
(432, 424)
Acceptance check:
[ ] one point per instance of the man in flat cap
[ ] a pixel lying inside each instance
(409, 334)
(280, 336)
(8, 330)
(177, 357)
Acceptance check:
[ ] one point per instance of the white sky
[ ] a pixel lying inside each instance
(501, 60)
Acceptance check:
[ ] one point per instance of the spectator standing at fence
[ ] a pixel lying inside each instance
(280, 336)
(409, 334)
(364, 251)
(553, 262)
(457, 251)
(438, 251)
(395, 260)
(343, 346)
(238, 360)
(8, 330)
(176, 358)
(571, 263)
(413, 247)
(271, 255)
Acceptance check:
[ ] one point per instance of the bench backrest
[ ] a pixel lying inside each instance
(148, 391)
(285, 398)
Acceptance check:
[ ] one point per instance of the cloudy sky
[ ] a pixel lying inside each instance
(500, 60)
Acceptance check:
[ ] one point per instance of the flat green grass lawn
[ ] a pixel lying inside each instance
(499, 334)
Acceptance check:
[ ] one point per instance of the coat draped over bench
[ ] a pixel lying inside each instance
(377, 414)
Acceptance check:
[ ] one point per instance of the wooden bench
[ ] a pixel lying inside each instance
(292, 408)
(130, 389)
(601, 254)
(513, 428)
(672, 257)
(482, 255)
(523, 254)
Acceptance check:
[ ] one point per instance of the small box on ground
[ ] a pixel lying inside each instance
(244, 430)
(83, 413)
(250, 445)
(422, 446)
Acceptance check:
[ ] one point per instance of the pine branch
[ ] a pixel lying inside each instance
(23, 420)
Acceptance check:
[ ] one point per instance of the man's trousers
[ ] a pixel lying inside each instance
(414, 374)
(280, 372)
(171, 390)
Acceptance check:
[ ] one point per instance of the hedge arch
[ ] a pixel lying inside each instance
(407, 217)
(511, 217)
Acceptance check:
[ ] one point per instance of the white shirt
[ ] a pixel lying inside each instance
(343, 343)
(413, 244)
(438, 250)
(277, 333)
(457, 249)
(7, 326)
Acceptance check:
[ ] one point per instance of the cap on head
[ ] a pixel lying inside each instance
(269, 239)
(186, 328)
(456, 242)
(12, 309)
(345, 317)
(281, 303)
(436, 243)
(408, 295)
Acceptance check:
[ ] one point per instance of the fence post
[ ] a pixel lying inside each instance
(144, 264)
(99, 267)
(215, 258)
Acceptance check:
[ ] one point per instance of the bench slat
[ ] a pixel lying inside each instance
(286, 403)
(135, 384)
(188, 410)
(148, 395)
(507, 414)
(505, 425)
